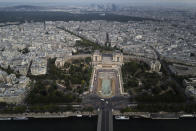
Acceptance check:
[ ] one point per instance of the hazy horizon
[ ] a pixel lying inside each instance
(172, 3)
(98, 1)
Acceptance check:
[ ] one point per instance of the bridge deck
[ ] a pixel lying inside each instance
(105, 120)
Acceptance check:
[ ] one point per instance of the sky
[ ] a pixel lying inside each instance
(156, 3)
(92, 1)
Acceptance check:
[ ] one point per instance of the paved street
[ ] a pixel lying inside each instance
(106, 119)
(116, 102)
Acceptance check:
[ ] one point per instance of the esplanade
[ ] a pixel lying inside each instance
(106, 80)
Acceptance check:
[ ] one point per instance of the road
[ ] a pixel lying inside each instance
(106, 122)
(116, 102)
(105, 118)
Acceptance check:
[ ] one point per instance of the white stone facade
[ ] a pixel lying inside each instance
(39, 67)
(112, 59)
(60, 62)
(155, 66)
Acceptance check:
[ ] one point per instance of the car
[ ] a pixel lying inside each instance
(102, 99)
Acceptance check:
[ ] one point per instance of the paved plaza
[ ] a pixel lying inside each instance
(106, 80)
(106, 83)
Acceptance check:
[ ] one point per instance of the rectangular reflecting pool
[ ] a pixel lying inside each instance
(106, 87)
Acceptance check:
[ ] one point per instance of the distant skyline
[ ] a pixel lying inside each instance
(154, 3)
(104, 1)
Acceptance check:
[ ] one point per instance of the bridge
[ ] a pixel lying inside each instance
(105, 119)
(105, 114)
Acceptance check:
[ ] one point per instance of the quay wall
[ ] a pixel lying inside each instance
(49, 115)
(147, 115)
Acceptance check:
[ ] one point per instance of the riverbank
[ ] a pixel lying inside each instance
(132, 115)
(90, 124)
(158, 115)
(49, 115)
